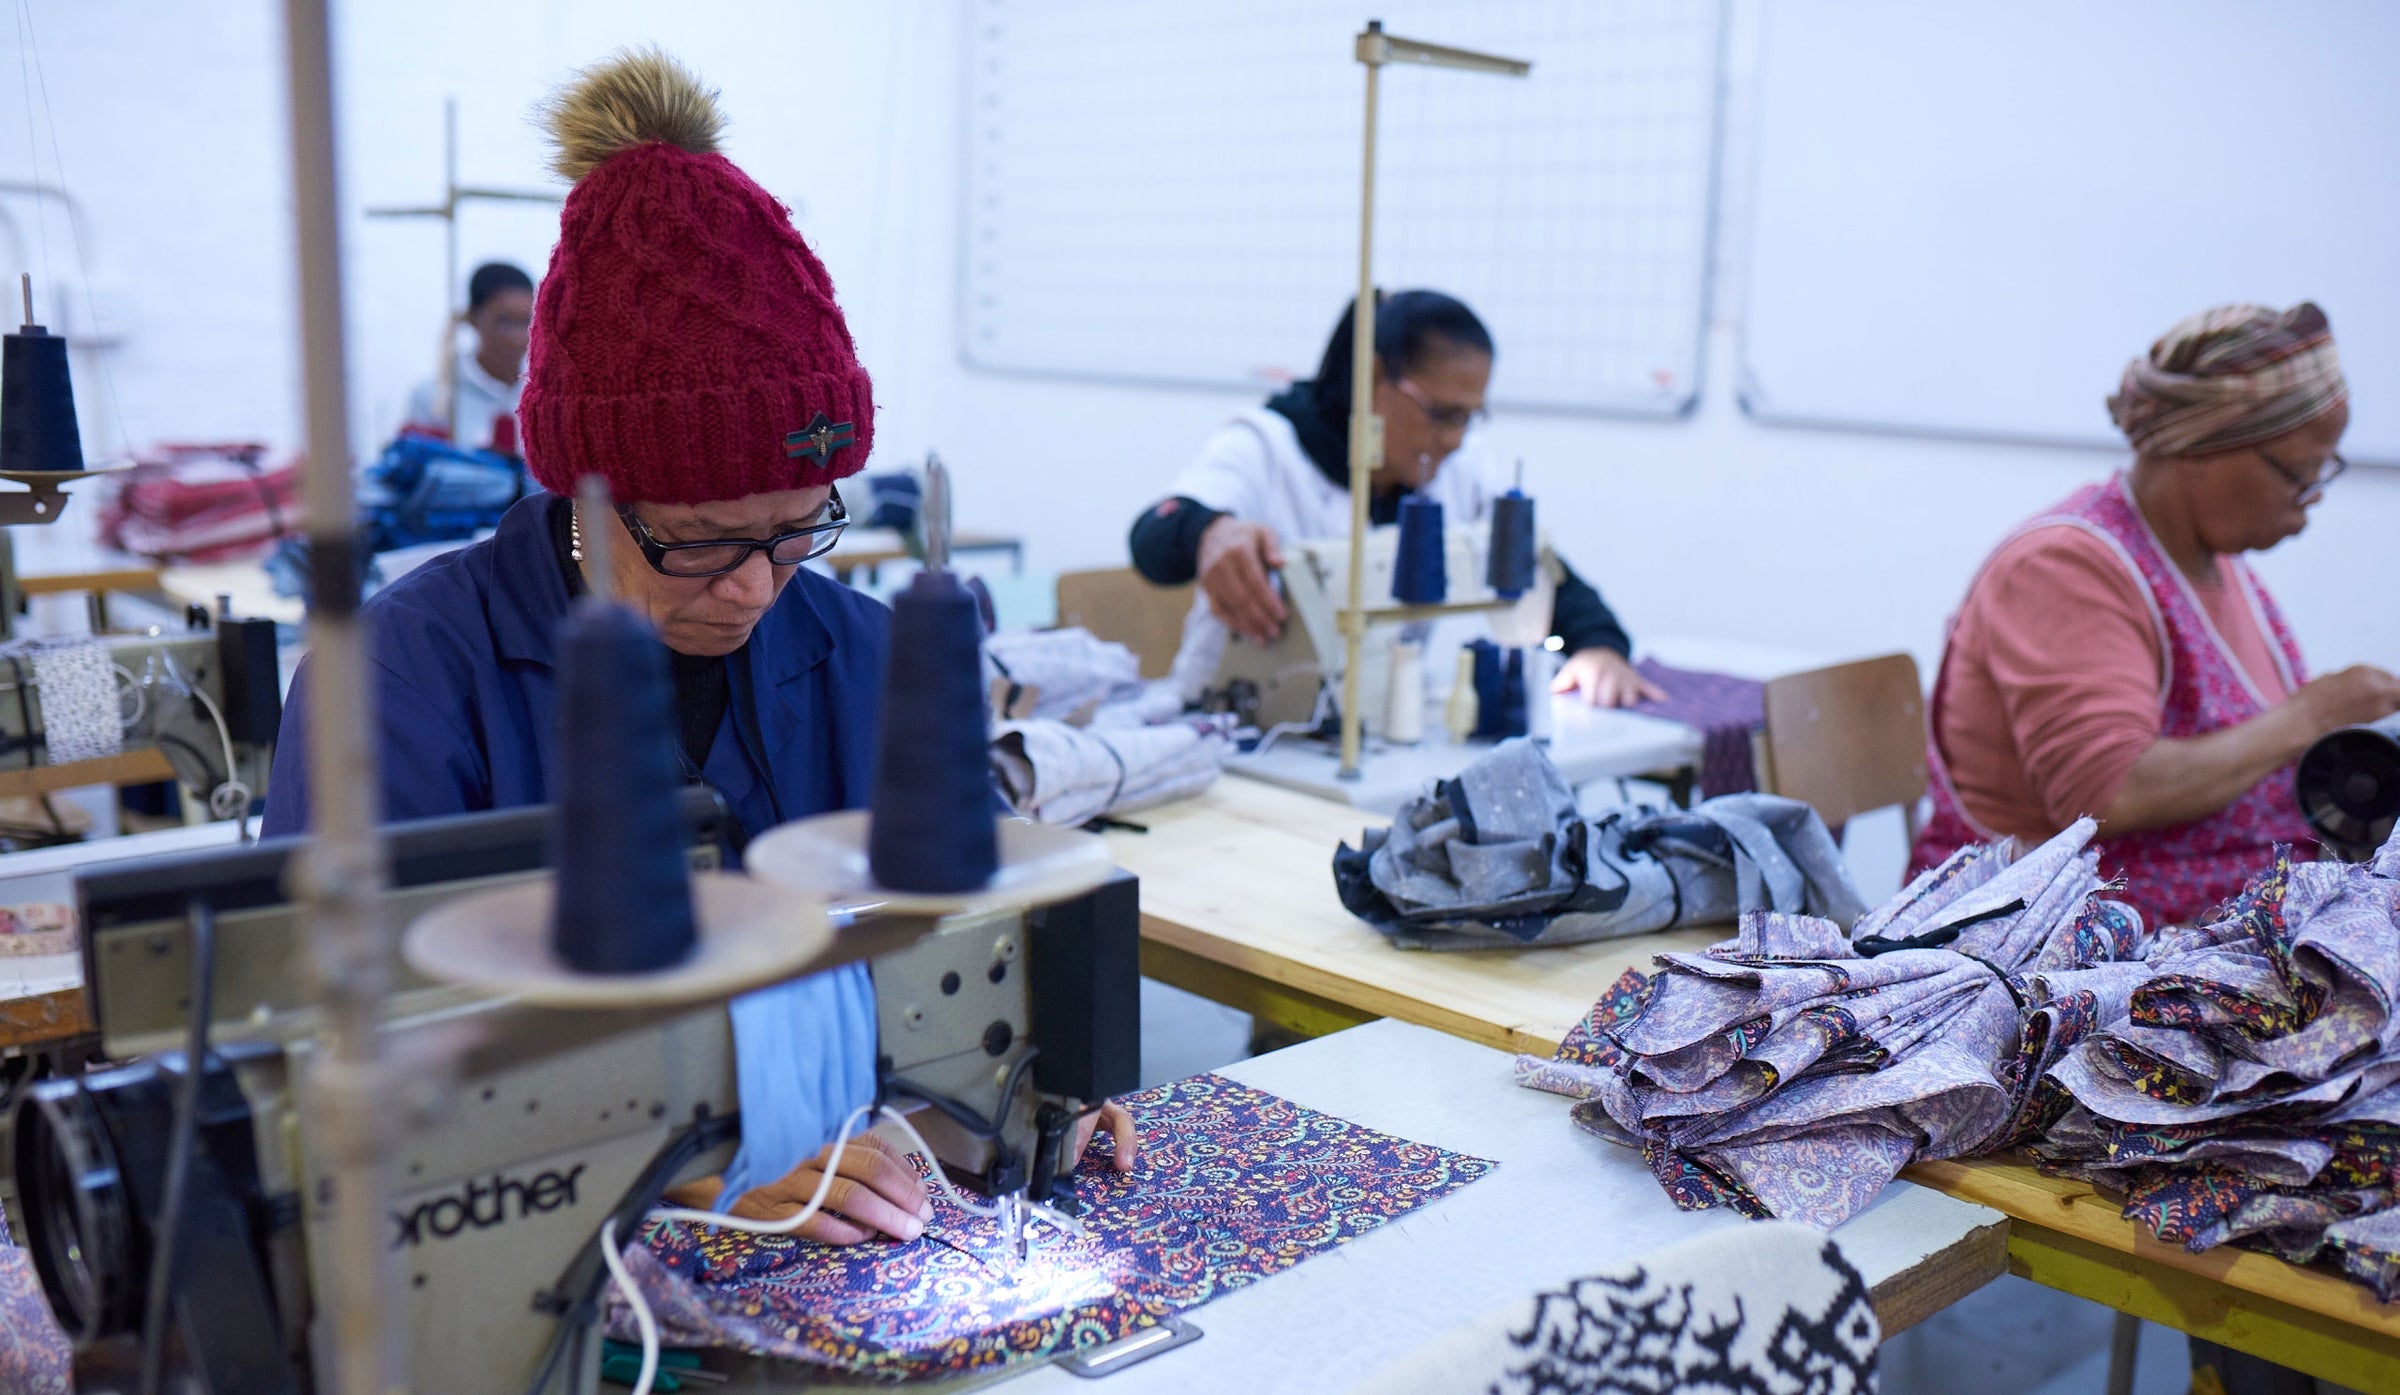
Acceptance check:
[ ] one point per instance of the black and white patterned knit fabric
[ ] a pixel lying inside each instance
(1766, 1308)
(82, 712)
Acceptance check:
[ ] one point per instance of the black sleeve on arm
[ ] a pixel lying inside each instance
(1582, 620)
(1166, 540)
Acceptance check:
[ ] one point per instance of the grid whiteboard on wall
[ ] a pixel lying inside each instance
(2071, 178)
(1169, 192)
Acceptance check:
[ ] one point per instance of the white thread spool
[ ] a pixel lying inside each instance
(1463, 711)
(1540, 666)
(1404, 696)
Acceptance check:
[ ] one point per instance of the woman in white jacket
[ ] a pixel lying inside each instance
(1282, 470)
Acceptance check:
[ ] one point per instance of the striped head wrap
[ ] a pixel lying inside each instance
(2230, 377)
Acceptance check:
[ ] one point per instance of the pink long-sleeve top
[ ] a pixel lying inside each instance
(2054, 678)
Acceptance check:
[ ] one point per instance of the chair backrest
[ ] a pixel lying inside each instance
(1850, 738)
(1116, 603)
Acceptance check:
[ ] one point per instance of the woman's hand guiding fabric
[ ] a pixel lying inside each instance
(2181, 779)
(1606, 678)
(1119, 1122)
(2352, 697)
(876, 1193)
(1236, 559)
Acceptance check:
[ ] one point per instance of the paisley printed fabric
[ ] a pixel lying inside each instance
(1794, 1070)
(2185, 871)
(1234, 1184)
(2251, 1093)
(35, 1355)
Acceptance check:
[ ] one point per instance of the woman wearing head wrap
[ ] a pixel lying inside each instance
(2116, 657)
(686, 348)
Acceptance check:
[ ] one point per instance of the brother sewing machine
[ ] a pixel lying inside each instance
(523, 1127)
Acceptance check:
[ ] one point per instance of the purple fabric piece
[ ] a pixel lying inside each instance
(35, 1356)
(1789, 1072)
(1234, 1185)
(2252, 1094)
(1727, 710)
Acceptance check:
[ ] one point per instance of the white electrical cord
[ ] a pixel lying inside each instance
(1316, 718)
(231, 799)
(648, 1325)
(642, 1318)
(141, 700)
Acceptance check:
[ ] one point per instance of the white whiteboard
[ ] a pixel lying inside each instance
(1169, 192)
(2029, 192)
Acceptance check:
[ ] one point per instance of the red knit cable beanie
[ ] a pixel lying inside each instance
(686, 344)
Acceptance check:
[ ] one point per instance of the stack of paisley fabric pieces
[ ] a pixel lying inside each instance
(2252, 1093)
(1794, 1070)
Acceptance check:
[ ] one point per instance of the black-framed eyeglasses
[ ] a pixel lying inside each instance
(1445, 416)
(2305, 489)
(717, 556)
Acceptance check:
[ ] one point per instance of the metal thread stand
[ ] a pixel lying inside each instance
(347, 951)
(1375, 49)
(455, 194)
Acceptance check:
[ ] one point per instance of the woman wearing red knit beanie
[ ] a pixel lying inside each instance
(687, 349)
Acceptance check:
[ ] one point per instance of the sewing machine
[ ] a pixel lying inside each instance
(207, 697)
(524, 1127)
(1273, 684)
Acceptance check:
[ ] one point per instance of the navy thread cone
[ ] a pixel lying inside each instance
(1509, 571)
(624, 901)
(1420, 569)
(1512, 696)
(1488, 697)
(37, 404)
(1499, 690)
(933, 826)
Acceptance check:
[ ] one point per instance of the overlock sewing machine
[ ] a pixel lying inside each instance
(523, 1128)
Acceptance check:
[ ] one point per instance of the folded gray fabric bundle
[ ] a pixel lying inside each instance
(1794, 1070)
(1054, 773)
(1498, 856)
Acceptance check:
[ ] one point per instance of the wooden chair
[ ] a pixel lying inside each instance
(1116, 603)
(1849, 739)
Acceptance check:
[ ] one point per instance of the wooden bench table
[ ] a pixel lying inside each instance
(1238, 906)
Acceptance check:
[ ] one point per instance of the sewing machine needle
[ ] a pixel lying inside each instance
(1013, 1213)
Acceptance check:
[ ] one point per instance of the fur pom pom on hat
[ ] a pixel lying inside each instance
(686, 345)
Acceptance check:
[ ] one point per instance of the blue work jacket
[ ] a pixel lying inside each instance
(463, 659)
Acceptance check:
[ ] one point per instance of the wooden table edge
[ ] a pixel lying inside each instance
(1904, 1299)
(2077, 1210)
(1361, 1002)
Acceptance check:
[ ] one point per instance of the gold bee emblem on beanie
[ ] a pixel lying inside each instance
(820, 438)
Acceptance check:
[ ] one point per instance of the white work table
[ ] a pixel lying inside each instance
(1586, 744)
(1561, 1204)
(41, 995)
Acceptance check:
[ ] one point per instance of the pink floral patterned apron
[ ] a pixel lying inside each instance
(2179, 873)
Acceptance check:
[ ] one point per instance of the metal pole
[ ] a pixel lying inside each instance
(1366, 432)
(342, 873)
(450, 308)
